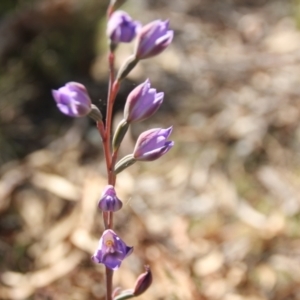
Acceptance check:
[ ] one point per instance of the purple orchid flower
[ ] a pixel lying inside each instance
(121, 28)
(153, 38)
(142, 103)
(111, 250)
(73, 100)
(109, 200)
(152, 144)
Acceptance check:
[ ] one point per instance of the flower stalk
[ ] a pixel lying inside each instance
(73, 100)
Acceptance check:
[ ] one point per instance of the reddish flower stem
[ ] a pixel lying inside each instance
(114, 160)
(109, 280)
(113, 88)
(110, 158)
(110, 10)
(105, 215)
(100, 127)
(112, 95)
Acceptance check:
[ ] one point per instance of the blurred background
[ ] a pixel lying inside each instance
(218, 217)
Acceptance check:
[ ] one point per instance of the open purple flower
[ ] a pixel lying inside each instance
(111, 250)
(73, 100)
(109, 200)
(153, 38)
(142, 103)
(152, 144)
(121, 28)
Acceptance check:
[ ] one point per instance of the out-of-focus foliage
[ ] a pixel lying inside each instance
(43, 45)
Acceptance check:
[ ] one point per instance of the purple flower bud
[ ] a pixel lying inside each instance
(143, 282)
(121, 28)
(73, 100)
(109, 200)
(142, 103)
(152, 144)
(111, 250)
(153, 38)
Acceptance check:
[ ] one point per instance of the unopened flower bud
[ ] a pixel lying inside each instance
(141, 285)
(95, 113)
(152, 144)
(73, 100)
(121, 28)
(109, 200)
(153, 38)
(143, 282)
(142, 103)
